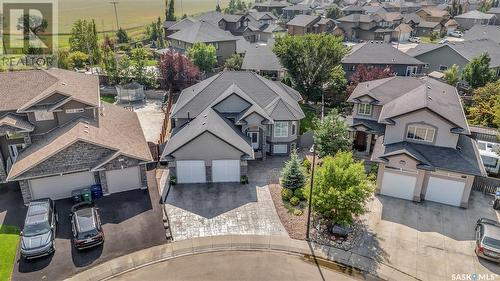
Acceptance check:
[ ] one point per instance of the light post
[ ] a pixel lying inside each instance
(310, 193)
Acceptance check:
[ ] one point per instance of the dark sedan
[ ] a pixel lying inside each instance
(86, 226)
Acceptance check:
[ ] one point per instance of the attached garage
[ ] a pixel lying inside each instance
(191, 171)
(59, 187)
(399, 184)
(445, 190)
(225, 170)
(123, 179)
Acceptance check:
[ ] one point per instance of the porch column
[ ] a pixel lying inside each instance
(264, 142)
(368, 143)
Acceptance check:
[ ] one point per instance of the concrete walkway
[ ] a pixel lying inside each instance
(185, 248)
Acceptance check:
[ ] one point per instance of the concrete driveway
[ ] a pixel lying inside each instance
(131, 221)
(428, 240)
(199, 210)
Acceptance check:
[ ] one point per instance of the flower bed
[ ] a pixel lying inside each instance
(294, 224)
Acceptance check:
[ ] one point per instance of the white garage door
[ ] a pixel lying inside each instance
(59, 187)
(446, 191)
(398, 185)
(226, 170)
(123, 179)
(191, 171)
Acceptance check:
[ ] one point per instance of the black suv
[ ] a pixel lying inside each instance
(38, 237)
(86, 226)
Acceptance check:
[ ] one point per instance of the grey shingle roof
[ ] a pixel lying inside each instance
(298, 7)
(209, 121)
(201, 31)
(491, 32)
(272, 4)
(265, 93)
(16, 121)
(358, 18)
(475, 15)
(428, 24)
(378, 53)
(303, 20)
(372, 125)
(215, 17)
(260, 57)
(422, 48)
(183, 23)
(465, 159)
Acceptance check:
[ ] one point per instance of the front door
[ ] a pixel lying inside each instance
(254, 138)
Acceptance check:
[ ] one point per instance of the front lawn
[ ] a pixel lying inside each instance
(108, 99)
(9, 239)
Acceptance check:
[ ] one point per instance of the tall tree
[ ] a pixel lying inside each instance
(84, 38)
(341, 188)
(177, 70)
(203, 55)
(170, 16)
(293, 175)
(331, 135)
(483, 110)
(122, 36)
(139, 57)
(234, 62)
(477, 72)
(310, 60)
(452, 75)
(334, 12)
(217, 8)
(362, 73)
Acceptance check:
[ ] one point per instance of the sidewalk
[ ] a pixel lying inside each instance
(231, 243)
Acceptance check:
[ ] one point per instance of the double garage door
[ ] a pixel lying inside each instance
(194, 171)
(59, 187)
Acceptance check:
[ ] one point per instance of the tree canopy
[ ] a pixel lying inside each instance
(452, 75)
(477, 72)
(177, 70)
(122, 36)
(485, 105)
(334, 12)
(310, 60)
(203, 55)
(170, 10)
(331, 135)
(341, 188)
(83, 38)
(362, 73)
(234, 62)
(293, 175)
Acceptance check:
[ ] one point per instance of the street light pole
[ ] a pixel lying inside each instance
(310, 193)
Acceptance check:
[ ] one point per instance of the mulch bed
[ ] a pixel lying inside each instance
(296, 226)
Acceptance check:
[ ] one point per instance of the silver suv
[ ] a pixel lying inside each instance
(39, 233)
(488, 239)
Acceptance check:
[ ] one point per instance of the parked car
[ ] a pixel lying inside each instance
(443, 41)
(86, 226)
(457, 34)
(488, 239)
(414, 39)
(38, 237)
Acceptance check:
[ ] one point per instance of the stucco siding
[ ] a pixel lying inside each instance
(232, 104)
(374, 116)
(225, 50)
(63, 116)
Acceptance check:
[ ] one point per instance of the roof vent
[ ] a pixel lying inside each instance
(429, 97)
(63, 83)
(205, 116)
(86, 131)
(459, 147)
(429, 87)
(203, 123)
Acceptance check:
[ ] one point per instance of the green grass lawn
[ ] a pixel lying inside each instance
(108, 99)
(9, 239)
(307, 123)
(427, 39)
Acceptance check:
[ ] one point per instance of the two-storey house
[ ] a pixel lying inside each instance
(303, 24)
(416, 129)
(227, 120)
(57, 136)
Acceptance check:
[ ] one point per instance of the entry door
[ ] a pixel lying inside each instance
(411, 70)
(254, 137)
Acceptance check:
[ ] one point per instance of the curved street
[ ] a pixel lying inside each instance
(239, 265)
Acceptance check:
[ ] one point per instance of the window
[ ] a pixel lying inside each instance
(426, 65)
(420, 133)
(281, 129)
(364, 109)
(443, 67)
(489, 162)
(43, 115)
(352, 67)
(269, 129)
(280, 148)
(74, 110)
(14, 136)
(294, 128)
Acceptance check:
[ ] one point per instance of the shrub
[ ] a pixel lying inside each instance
(299, 193)
(173, 180)
(298, 212)
(294, 201)
(307, 165)
(286, 194)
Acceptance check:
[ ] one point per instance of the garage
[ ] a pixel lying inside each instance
(399, 184)
(59, 187)
(123, 179)
(445, 190)
(191, 171)
(225, 170)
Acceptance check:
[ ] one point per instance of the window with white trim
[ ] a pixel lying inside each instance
(420, 133)
(294, 128)
(364, 109)
(43, 115)
(426, 65)
(281, 129)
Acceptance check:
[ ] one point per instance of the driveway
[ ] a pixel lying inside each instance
(428, 240)
(198, 210)
(131, 220)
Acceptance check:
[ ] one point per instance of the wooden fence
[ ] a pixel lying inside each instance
(166, 127)
(486, 184)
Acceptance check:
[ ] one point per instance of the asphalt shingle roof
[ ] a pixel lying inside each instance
(475, 15)
(261, 57)
(16, 121)
(374, 52)
(303, 20)
(201, 31)
(491, 32)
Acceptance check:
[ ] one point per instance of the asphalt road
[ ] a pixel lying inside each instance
(220, 266)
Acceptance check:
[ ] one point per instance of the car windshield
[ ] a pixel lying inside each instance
(86, 223)
(491, 242)
(36, 229)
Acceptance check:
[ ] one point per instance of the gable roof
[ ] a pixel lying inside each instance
(434, 12)
(303, 20)
(202, 31)
(183, 23)
(31, 86)
(261, 15)
(261, 57)
(360, 18)
(117, 129)
(475, 15)
(478, 31)
(298, 7)
(375, 52)
(272, 4)
(14, 121)
(262, 92)
(215, 17)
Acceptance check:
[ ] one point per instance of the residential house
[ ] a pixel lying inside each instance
(401, 6)
(468, 20)
(495, 11)
(57, 136)
(489, 145)
(260, 26)
(231, 23)
(433, 15)
(303, 24)
(299, 9)
(380, 55)
(241, 115)
(379, 27)
(270, 6)
(353, 10)
(183, 23)
(425, 28)
(490, 32)
(262, 60)
(440, 57)
(201, 31)
(403, 32)
(416, 130)
(450, 26)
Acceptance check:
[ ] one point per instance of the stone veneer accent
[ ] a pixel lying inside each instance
(208, 173)
(144, 176)
(104, 182)
(25, 191)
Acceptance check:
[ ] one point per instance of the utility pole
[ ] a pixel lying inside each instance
(115, 2)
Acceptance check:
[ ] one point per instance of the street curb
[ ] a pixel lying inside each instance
(142, 258)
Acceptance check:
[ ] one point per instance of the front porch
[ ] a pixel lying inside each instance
(362, 144)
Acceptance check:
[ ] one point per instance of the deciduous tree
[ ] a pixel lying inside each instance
(452, 75)
(234, 62)
(331, 135)
(203, 55)
(84, 39)
(122, 36)
(177, 70)
(362, 73)
(334, 12)
(477, 72)
(484, 109)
